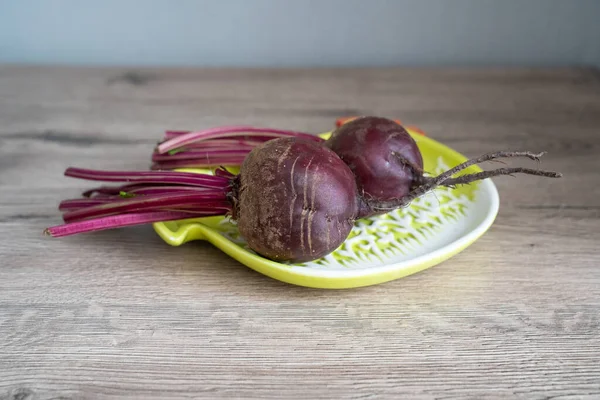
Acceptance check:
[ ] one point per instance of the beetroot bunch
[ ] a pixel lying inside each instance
(296, 196)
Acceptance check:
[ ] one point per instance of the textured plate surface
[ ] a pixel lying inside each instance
(432, 229)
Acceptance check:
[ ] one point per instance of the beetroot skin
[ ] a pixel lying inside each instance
(296, 200)
(384, 158)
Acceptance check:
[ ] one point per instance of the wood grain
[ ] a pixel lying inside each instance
(120, 314)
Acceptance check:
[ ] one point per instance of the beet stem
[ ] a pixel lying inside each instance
(73, 204)
(178, 201)
(197, 163)
(118, 221)
(207, 154)
(162, 177)
(144, 188)
(180, 140)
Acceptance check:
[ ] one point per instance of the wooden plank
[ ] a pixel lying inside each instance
(125, 316)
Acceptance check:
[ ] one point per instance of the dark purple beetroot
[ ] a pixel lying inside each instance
(382, 155)
(296, 200)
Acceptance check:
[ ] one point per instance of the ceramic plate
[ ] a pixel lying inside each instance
(432, 229)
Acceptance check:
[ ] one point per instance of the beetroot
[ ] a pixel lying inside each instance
(295, 200)
(381, 154)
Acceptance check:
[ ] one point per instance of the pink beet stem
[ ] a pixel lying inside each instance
(118, 221)
(74, 204)
(181, 140)
(175, 201)
(162, 177)
(172, 133)
(148, 190)
(229, 143)
(107, 191)
(142, 188)
(198, 163)
(195, 154)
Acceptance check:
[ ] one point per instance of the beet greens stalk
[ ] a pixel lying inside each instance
(117, 221)
(147, 197)
(181, 139)
(224, 145)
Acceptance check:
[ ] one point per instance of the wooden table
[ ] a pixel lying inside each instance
(120, 314)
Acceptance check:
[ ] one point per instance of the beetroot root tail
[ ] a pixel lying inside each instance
(445, 178)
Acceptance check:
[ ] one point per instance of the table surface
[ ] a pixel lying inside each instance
(119, 314)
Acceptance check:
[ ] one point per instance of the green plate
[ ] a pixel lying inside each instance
(432, 229)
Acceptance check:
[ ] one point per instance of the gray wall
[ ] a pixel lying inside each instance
(301, 32)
